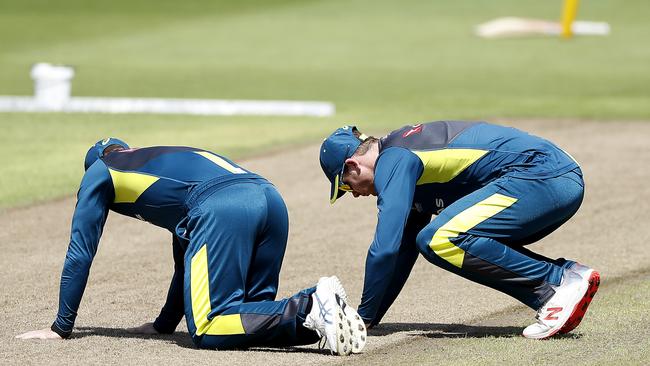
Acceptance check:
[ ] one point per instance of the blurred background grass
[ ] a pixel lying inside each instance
(383, 64)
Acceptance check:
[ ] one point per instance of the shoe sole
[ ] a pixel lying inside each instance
(344, 335)
(337, 286)
(357, 328)
(358, 332)
(579, 311)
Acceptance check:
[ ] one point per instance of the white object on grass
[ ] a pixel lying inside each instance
(52, 84)
(52, 90)
(522, 27)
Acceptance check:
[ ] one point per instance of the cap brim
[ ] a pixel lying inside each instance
(335, 192)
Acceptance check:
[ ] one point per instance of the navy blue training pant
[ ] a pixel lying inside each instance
(482, 235)
(237, 239)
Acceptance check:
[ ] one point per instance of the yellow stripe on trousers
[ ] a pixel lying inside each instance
(464, 221)
(200, 286)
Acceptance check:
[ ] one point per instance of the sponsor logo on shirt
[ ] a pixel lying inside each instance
(440, 204)
(415, 129)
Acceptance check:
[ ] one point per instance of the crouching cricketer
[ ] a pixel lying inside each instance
(493, 190)
(229, 228)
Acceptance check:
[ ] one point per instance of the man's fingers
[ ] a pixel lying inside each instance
(146, 328)
(46, 333)
(26, 335)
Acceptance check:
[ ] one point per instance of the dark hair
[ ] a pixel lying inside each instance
(363, 148)
(110, 148)
(365, 144)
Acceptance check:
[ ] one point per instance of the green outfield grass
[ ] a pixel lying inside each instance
(615, 332)
(384, 63)
(42, 155)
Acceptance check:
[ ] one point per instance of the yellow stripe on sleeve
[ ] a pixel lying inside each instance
(221, 162)
(129, 186)
(441, 166)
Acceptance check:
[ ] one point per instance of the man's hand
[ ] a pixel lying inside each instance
(45, 333)
(146, 328)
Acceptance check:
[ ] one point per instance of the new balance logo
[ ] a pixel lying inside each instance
(552, 312)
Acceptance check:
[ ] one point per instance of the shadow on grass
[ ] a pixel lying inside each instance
(323, 351)
(181, 339)
(436, 330)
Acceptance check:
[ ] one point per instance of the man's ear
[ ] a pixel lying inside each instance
(352, 165)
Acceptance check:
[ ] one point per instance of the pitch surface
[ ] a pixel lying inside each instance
(130, 274)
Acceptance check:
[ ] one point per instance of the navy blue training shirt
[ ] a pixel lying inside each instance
(151, 184)
(422, 169)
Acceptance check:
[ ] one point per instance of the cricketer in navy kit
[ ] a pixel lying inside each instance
(229, 231)
(493, 190)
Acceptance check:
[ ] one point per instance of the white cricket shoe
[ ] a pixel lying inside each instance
(581, 269)
(593, 277)
(337, 286)
(355, 322)
(330, 318)
(566, 308)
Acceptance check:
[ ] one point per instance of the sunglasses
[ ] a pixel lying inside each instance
(342, 186)
(345, 188)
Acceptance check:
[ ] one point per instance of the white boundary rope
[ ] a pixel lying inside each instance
(170, 106)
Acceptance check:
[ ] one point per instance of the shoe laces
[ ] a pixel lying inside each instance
(322, 343)
(317, 324)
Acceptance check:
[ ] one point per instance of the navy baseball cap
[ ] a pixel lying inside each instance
(334, 151)
(97, 151)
